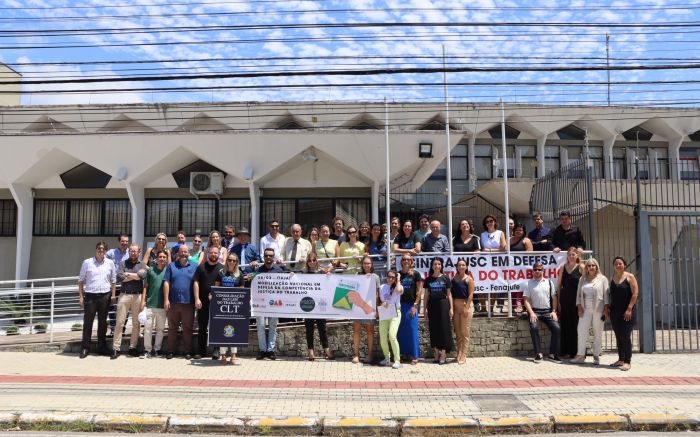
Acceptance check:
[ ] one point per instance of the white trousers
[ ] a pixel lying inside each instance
(590, 318)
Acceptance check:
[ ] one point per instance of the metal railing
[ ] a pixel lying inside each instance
(39, 305)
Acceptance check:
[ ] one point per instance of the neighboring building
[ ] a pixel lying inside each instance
(73, 174)
(9, 94)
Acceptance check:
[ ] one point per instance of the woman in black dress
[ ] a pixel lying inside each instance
(465, 240)
(313, 267)
(439, 311)
(569, 276)
(623, 311)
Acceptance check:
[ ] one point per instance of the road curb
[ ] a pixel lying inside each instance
(590, 423)
(523, 425)
(439, 427)
(336, 427)
(283, 426)
(661, 422)
(207, 425)
(371, 426)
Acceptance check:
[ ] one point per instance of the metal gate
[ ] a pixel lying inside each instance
(669, 299)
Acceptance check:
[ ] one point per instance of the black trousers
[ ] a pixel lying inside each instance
(203, 326)
(545, 316)
(623, 335)
(95, 304)
(309, 325)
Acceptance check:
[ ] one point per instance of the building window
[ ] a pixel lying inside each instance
(85, 176)
(8, 218)
(353, 211)
(77, 217)
(619, 167)
(195, 216)
(50, 217)
(631, 134)
(235, 212)
(117, 217)
(483, 162)
(551, 158)
(689, 167)
(85, 217)
(199, 216)
(312, 212)
(528, 161)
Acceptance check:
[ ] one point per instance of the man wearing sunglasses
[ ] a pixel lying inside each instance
(273, 240)
(540, 303)
(266, 340)
(204, 278)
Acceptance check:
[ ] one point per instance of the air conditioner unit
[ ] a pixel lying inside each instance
(206, 182)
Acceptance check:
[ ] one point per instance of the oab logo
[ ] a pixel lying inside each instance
(307, 304)
(229, 331)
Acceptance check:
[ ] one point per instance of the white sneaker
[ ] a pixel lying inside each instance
(384, 362)
(396, 365)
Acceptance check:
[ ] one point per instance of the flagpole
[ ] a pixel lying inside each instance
(387, 200)
(448, 152)
(505, 190)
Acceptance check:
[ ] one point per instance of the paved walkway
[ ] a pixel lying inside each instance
(492, 387)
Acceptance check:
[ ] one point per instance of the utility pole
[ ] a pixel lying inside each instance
(607, 61)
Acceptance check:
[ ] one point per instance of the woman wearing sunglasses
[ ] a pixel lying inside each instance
(390, 301)
(313, 268)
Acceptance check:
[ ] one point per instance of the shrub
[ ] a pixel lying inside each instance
(76, 327)
(40, 328)
(11, 330)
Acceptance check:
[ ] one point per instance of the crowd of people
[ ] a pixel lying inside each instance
(173, 284)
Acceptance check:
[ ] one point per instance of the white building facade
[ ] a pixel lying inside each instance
(73, 175)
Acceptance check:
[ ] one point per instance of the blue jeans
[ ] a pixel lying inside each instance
(266, 340)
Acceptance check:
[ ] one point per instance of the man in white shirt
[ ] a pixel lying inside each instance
(541, 303)
(274, 240)
(296, 249)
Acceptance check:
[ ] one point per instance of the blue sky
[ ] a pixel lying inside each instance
(475, 34)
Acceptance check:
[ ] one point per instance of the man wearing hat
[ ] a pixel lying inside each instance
(246, 251)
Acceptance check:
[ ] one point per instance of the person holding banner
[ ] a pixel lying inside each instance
(466, 241)
(313, 267)
(390, 318)
(518, 243)
(494, 240)
(569, 276)
(440, 310)
(327, 248)
(412, 283)
(267, 339)
(462, 300)
(593, 302)
(367, 269)
(351, 247)
(407, 241)
(540, 303)
(229, 276)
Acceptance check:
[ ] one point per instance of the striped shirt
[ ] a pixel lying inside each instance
(97, 277)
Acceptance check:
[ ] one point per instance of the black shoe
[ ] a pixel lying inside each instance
(272, 356)
(197, 356)
(133, 352)
(188, 356)
(169, 356)
(538, 358)
(215, 355)
(114, 355)
(554, 357)
(84, 353)
(157, 354)
(261, 356)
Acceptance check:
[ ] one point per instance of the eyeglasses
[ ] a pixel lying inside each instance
(490, 221)
(274, 226)
(232, 260)
(197, 241)
(592, 265)
(101, 248)
(311, 261)
(538, 269)
(391, 277)
(160, 239)
(352, 232)
(268, 256)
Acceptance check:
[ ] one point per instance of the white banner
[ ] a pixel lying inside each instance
(497, 272)
(299, 296)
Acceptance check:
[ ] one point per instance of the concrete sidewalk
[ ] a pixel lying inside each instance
(331, 397)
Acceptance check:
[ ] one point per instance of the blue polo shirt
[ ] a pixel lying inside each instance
(179, 278)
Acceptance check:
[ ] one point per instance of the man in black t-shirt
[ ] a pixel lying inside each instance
(204, 279)
(566, 236)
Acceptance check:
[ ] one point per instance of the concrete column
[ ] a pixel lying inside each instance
(471, 161)
(137, 198)
(674, 156)
(375, 202)
(608, 144)
(25, 217)
(254, 191)
(541, 141)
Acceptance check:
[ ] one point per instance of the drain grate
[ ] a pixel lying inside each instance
(499, 403)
